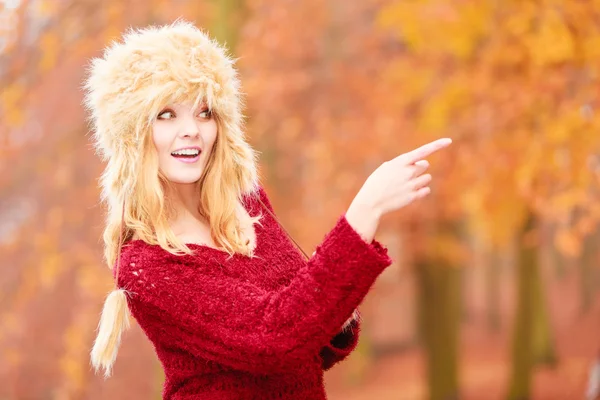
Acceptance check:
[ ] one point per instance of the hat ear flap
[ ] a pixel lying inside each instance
(113, 322)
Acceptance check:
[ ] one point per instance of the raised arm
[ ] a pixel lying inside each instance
(344, 342)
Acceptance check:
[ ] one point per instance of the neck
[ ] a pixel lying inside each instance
(186, 199)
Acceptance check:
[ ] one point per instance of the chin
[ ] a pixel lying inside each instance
(185, 179)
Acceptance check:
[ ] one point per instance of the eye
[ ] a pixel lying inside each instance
(205, 114)
(166, 114)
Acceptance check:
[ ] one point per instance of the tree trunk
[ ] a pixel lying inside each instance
(228, 18)
(439, 316)
(587, 274)
(522, 360)
(532, 337)
(492, 282)
(543, 343)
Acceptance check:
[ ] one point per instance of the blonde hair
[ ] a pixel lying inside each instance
(124, 92)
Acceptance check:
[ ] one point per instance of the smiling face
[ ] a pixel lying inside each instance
(184, 138)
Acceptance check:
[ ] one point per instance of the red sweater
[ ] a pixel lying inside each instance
(251, 328)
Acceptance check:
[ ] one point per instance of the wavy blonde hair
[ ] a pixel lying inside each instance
(126, 89)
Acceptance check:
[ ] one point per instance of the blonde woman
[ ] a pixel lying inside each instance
(234, 310)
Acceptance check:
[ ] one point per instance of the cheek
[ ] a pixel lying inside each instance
(211, 133)
(160, 139)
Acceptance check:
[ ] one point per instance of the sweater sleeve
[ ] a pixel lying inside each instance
(345, 341)
(340, 347)
(232, 322)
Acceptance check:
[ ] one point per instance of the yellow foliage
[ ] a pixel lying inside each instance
(448, 248)
(558, 132)
(539, 124)
(52, 265)
(506, 218)
(568, 243)
(413, 82)
(527, 172)
(518, 22)
(591, 48)
(11, 102)
(430, 26)
(567, 200)
(49, 47)
(552, 43)
(472, 200)
(438, 109)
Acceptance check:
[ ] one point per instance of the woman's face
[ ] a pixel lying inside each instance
(184, 140)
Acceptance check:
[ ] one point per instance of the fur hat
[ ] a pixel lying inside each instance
(134, 79)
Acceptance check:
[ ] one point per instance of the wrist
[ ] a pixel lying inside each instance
(364, 211)
(364, 219)
(365, 208)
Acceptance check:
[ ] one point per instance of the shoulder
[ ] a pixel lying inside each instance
(141, 262)
(134, 255)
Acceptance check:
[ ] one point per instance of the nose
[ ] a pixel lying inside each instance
(189, 127)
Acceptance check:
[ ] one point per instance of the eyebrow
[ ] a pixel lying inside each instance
(179, 105)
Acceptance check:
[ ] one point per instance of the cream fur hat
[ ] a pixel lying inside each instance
(151, 67)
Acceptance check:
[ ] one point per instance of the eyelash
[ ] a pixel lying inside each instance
(174, 114)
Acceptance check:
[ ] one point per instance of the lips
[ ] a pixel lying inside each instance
(187, 159)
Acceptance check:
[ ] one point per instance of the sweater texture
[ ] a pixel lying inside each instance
(262, 327)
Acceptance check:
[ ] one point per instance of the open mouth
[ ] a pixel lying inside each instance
(187, 155)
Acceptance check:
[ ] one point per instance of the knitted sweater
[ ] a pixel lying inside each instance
(245, 328)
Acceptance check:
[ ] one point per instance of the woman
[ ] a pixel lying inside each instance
(232, 308)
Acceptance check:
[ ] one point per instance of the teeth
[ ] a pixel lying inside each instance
(186, 152)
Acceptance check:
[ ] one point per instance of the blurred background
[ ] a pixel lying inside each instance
(494, 292)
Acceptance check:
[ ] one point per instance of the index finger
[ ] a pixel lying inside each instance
(421, 152)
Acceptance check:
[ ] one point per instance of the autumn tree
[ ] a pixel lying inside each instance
(513, 83)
